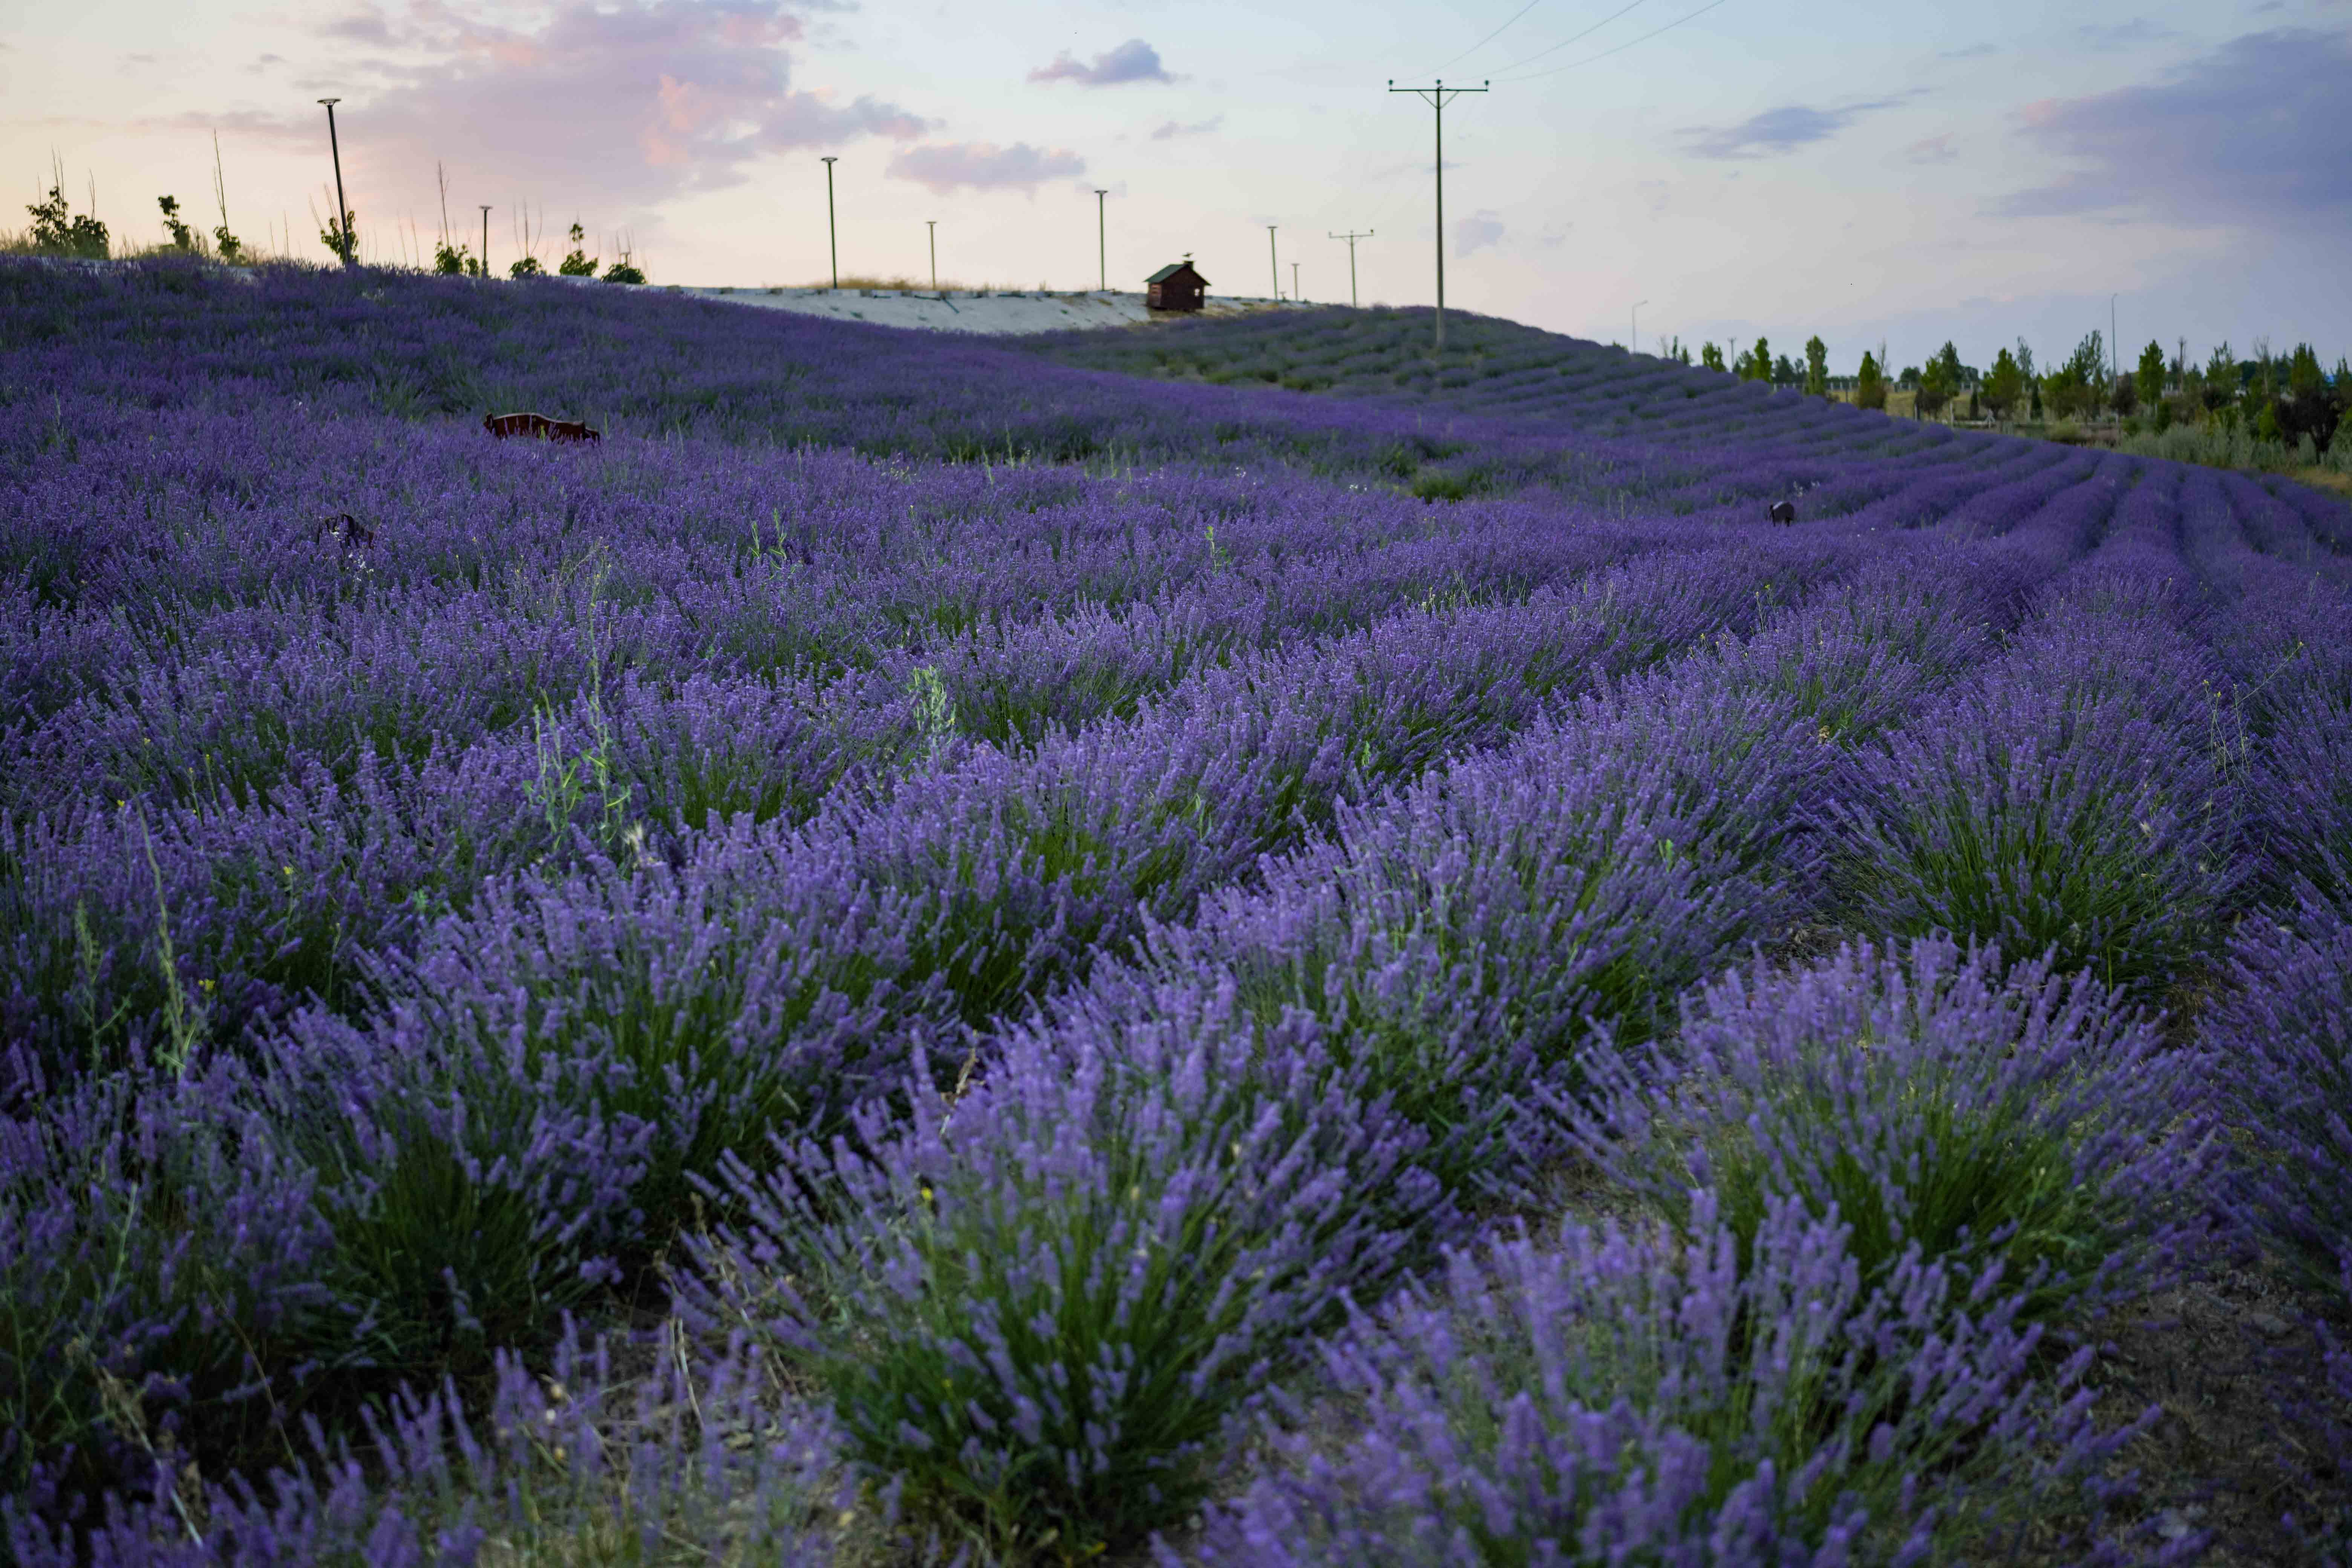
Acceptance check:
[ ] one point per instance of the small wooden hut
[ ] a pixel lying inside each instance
(1175, 287)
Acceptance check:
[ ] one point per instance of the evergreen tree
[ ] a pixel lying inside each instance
(1817, 367)
(1869, 385)
(2149, 380)
(2004, 384)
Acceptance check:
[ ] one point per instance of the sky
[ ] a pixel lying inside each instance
(1877, 172)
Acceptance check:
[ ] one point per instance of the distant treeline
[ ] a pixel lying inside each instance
(2286, 401)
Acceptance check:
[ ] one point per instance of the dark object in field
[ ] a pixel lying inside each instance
(354, 533)
(1784, 511)
(1175, 287)
(539, 426)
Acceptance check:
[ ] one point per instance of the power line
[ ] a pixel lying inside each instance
(1351, 236)
(1620, 48)
(1578, 37)
(1437, 98)
(1490, 37)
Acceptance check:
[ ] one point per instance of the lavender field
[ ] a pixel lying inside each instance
(932, 952)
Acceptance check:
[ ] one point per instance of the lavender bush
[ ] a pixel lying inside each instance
(2030, 1128)
(689, 1464)
(1612, 1398)
(2281, 1037)
(2064, 802)
(1043, 1306)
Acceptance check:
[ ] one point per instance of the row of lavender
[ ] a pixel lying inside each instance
(1261, 1087)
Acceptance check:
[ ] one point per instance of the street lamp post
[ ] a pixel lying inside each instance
(342, 206)
(1102, 245)
(1272, 265)
(933, 224)
(832, 237)
(485, 240)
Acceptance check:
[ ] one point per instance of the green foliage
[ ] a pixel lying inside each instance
(525, 266)
(1710, 356)
(454, 263)
(227, 246)
(2147, 381)
(624, 271)
(578, 263)
(1756, 365)
(56, 233)
(1817, 367)
(183, 239)
(342, 237)
(2004, 386)
(1939, 382)
(1869, 385)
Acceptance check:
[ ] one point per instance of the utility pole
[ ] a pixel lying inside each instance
(1437, 98)
(2115, 355)
(1634, 329)
(485, 241)
(933, 224)
(1273, 266)
(1102, 247)
(1294, 284)
(832, 237)
(1351, 239)
(343, 207)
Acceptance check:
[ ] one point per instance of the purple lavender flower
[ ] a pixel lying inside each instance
(2029, 1129)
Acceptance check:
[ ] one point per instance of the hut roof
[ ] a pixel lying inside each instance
(1171, 270)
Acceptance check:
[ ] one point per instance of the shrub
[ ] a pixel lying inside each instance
(160, 1268)
(1042, 1307)
(2033, 1129)
(476, 1189)
(697, 1466)
(1627, 1400)
(2049, 809)
(2282, 1039)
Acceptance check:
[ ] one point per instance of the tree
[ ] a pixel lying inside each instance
(453, 263)
(626, 271)
(2221, 378)
(2308, 406)
(2004, 386)
(339, 238)
(525, 266)
(2149, 381)
(1756, 365)
(57, 234)
(1817, 367)
(1710, 356)
(1869, 385)
(1785, 373)
(1939, 382)
(579, 264)
(2088, 373)
(183, 239)
(1955, 374)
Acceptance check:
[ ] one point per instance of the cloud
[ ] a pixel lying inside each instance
(982, 166)
(1133, 60)
(2123, 35)
(2250, 134)
(1171, 130)
(633, 102)
(1479, 231)
(1777, 131)
(1972, 52)
(1932, 150)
